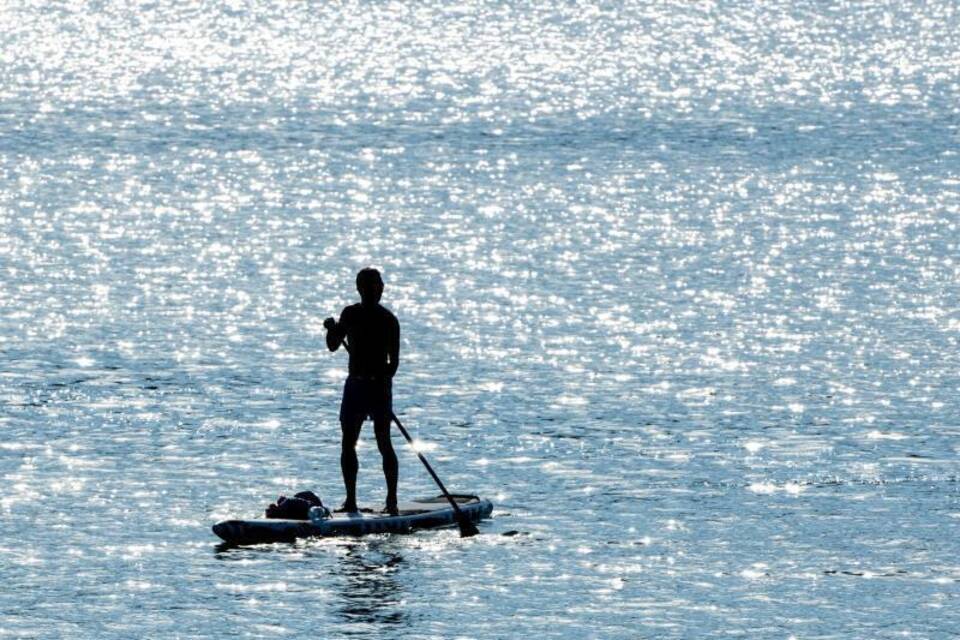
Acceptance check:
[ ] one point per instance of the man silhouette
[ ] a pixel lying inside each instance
(373, 342)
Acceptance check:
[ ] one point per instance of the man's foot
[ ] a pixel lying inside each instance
(390, 509)
(347, 507)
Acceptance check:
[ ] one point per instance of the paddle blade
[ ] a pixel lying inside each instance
(467, 528)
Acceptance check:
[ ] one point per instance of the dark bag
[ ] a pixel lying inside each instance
(295, 508)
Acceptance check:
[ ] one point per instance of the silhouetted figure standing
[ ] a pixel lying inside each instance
(373, 341)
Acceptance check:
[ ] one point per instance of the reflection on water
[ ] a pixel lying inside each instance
(361, 581)
(368, 582)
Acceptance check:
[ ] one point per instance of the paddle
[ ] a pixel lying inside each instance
(467, 528)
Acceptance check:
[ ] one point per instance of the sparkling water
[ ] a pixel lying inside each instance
(678, 289)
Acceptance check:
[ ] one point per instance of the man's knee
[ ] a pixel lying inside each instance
(350, 433)
(382, 431)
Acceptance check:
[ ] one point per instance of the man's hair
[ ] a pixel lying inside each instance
(369, 274)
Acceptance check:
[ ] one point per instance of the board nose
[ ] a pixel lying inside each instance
(221, 529)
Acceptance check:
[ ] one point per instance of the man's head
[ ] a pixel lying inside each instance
(369, 285)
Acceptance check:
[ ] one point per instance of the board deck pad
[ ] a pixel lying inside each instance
(423, 513)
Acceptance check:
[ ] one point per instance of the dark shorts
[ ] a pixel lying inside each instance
(366, 398)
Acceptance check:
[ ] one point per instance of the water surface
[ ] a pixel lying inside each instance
(677, 285)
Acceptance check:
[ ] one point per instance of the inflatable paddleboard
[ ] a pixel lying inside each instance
(426, 513)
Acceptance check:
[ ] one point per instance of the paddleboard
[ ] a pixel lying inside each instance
(426, 513)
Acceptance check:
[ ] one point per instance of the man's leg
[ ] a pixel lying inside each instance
(381, 428)
(350, 430)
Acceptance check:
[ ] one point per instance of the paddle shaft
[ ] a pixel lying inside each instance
(436, 478)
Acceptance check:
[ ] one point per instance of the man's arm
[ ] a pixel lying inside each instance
(393, 348)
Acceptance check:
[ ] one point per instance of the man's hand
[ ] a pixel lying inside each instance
(334, 334)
